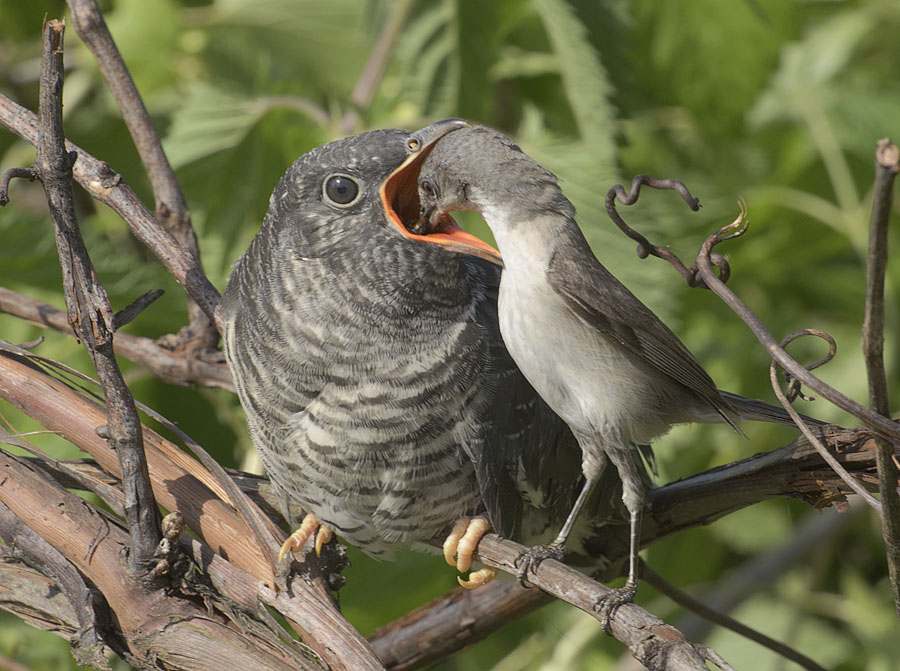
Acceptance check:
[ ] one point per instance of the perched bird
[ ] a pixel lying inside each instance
(600, 359)
(370, 365)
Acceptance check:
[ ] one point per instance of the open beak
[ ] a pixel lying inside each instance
(400, 197)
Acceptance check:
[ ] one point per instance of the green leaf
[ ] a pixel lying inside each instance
(585, 81)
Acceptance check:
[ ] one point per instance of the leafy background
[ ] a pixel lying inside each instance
(778, 102)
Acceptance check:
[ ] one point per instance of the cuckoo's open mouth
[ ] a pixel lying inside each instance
(400, 196)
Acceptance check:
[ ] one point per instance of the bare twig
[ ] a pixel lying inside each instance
(886, 167)
(699, 607)
(377, 63)
(104, 184)
(14, 173)
(702, 271)
(136, 307)
(171, 207)
(461, 618)
(88, 307)
(654, 643)
(645, 247)
(174, 367)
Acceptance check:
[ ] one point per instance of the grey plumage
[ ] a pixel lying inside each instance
(370, 366)
(600, 358)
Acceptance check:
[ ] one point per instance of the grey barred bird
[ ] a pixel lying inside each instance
(601, 359)
(370, 365)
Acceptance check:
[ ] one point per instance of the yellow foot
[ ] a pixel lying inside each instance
(478, 578)
(297, 540)
(460, 546)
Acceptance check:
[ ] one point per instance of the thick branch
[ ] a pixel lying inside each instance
(89, 311)
(180, 483)
(886, 167)
(171, 207)
(462, 618)
(107, 186)
(181, 633)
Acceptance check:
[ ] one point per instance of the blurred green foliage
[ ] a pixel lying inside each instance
(776, 102)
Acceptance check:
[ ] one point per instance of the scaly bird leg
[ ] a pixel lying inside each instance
(633, 496)
(531, 558)
(297, 540)
(460, 546)
(607, 606)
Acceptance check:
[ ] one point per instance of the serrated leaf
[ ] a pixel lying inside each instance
(585, 80)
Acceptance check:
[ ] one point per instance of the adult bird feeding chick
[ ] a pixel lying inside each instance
(600, 359)
(370, 365)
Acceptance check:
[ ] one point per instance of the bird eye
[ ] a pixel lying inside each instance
(426, 187)
(340, 190)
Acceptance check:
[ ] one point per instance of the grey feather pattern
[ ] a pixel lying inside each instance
(375, 383)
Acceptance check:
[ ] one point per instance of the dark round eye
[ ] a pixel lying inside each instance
(426, 187)
(340, 190)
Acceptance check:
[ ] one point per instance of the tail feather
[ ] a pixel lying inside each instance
(754, 410)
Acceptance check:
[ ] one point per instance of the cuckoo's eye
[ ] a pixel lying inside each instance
(340, 190)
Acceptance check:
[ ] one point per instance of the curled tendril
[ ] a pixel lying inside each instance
(793, 384)
(646, 248)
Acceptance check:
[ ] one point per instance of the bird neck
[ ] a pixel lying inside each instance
(526, 238)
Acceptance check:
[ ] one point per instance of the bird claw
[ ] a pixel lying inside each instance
(530, 559)
(462, 540)
(608, 605)
(478, 578)
(297, 540)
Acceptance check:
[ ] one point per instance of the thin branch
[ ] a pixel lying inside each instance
(127, 314)
(175, 367)
(886, 167)
(464, 617)
(14, 173)
(762, 570)
(377, 63)
(171, 207)
(88, 307)
(652, 642)
(106, 185)
(696, 605)
(702, 270)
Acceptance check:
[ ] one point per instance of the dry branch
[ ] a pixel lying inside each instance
(107, 186)
(171, 206)
(172, 366)
(886, 167)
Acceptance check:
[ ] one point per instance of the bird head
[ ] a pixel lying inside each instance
(480, 169)
(401, 194)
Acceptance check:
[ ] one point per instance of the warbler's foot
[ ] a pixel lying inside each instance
(297, 540)
(607, 606)
(531, 558)
(460, 546)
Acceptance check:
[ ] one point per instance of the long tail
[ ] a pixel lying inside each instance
(759, 411)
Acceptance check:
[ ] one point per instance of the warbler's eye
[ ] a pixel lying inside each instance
(340, 190)
(427, 188)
